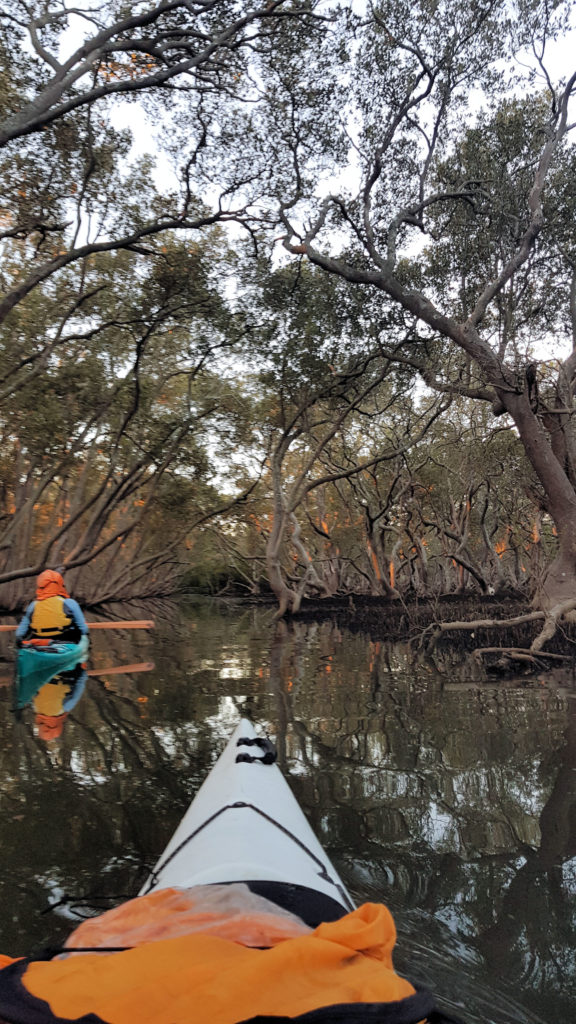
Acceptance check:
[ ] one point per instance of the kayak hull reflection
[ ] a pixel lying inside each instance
(36, 666)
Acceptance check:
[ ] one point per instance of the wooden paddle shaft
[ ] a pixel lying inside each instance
(126, 624)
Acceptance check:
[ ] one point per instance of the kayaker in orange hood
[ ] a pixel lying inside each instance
(53, 615)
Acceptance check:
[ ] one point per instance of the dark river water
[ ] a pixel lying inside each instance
(449, 798)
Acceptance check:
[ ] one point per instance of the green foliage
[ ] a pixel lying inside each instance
(148, 365)
(497, 158)
(122, 386)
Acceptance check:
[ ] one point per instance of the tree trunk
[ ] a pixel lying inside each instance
(285, 596)
(559, 580)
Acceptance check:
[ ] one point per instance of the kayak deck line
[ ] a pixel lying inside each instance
(241, 804)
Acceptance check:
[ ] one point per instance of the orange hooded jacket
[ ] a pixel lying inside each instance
(340, 972)
(50, 584)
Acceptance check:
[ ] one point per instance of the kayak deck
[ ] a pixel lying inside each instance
(245, 825)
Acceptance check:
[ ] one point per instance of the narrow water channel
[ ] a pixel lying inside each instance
(451, 799)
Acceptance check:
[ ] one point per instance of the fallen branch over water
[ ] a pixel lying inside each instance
(519, 654)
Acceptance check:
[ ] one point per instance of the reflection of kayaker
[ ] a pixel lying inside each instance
(244, 919)
(53, 615)
(55, 700)
(37, 665)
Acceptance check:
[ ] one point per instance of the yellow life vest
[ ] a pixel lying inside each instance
(49, 618)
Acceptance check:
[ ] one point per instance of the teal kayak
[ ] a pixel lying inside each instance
(36, 666)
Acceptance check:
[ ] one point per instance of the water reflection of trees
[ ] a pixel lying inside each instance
(87, 815)
(455, 803)
(72, 811)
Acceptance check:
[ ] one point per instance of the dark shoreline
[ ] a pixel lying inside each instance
(413, 620)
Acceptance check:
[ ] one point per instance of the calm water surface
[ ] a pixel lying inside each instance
(451, 799)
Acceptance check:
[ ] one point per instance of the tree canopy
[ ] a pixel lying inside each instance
(340, 285)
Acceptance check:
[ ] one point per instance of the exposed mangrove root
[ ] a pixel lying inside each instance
(551, 619)
(511, 654)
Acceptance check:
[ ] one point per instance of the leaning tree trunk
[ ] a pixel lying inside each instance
(284, 594)
(558, 584)
(275, 544)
